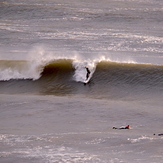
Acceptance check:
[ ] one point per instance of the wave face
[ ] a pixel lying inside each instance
(66, 76)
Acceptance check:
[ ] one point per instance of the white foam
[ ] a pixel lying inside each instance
(140, 139)
(116, 58)
(55, 154)
(28, 147)
(80, 71)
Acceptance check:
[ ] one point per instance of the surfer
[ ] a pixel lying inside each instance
(127, 127)
(88, 73)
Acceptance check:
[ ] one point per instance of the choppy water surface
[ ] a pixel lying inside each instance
(48, 114)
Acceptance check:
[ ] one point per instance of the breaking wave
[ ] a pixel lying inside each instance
(63, 74)
(38, 61)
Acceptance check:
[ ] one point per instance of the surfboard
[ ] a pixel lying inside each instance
(87, 80)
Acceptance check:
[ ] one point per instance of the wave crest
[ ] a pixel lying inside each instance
(39, 59)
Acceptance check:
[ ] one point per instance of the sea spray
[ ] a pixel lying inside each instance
(30, 68)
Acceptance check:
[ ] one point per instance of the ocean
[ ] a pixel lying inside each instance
(47, 112)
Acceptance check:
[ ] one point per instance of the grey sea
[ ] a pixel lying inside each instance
(47, 112)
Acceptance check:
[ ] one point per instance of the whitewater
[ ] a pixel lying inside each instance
(47, 114)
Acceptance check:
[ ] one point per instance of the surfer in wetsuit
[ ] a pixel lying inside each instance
(127, 127)
(88, 73)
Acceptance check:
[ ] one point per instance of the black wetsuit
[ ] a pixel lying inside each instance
(88, 73)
